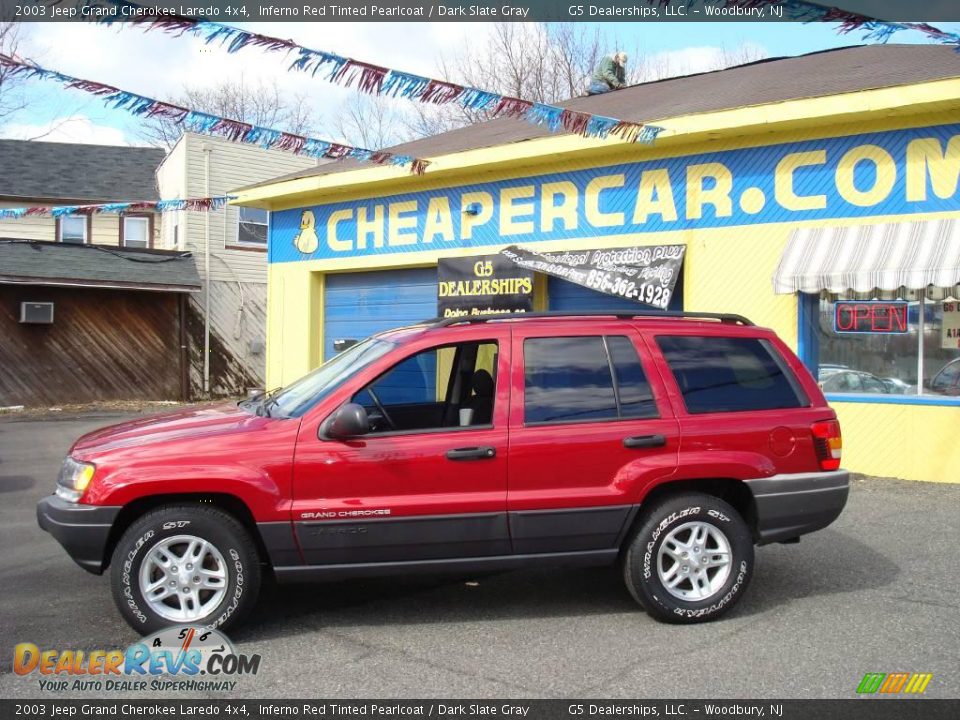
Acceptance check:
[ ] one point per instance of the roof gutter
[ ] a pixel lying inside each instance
(99, 284)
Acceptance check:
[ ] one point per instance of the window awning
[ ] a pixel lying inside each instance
(872, 259)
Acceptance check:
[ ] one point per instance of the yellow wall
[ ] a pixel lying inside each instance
(913, 442)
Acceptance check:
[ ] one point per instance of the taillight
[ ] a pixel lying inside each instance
(828, 442)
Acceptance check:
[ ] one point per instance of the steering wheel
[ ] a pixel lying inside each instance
(381, 408)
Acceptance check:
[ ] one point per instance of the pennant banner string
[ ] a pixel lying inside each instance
(206, 204)
(207, 124)
(377, 80)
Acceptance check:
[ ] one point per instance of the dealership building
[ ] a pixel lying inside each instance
(815, 195)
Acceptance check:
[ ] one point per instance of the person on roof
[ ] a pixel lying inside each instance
(610, 74)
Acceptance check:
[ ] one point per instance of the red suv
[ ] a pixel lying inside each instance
(670, 444)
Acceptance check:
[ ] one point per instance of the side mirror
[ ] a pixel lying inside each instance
(349, 421)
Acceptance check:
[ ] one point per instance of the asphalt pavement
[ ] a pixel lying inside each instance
(879, 591)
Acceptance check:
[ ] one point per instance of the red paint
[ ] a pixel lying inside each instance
(281, 470)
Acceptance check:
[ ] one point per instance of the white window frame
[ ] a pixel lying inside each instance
(86, 228)
(266, 227)
(144, 218)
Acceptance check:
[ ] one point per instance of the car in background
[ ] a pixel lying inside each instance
(825, 370)
(947, 379)
(853, 381)
(896, 386)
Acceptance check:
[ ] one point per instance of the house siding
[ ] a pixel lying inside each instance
(105, 229)
(102, 345)
(238, 274)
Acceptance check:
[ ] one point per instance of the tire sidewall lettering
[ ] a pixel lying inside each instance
(658, 531)
(129, 590)
(642, 573)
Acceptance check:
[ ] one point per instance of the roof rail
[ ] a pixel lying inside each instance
(654, 314)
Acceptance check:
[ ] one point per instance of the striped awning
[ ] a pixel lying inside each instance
(872, 259)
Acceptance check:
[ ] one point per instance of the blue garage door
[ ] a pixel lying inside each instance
(566, 296)
(357, 305)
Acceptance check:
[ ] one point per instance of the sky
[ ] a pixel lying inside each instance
(157, 65)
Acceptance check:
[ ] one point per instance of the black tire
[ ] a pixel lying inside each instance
(640, 564)
(218, 528)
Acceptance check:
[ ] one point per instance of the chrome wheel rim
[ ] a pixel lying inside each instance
(183, 578)
(693, 562)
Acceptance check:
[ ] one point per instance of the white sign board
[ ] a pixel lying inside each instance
(950, 334)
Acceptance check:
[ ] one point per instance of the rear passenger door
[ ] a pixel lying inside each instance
(589, 427)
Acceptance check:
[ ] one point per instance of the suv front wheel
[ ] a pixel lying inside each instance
(185, 565)
(690, 559)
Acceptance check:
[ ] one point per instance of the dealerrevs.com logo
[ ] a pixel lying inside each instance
(178, 659)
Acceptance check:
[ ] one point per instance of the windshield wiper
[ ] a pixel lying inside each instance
(261, 403)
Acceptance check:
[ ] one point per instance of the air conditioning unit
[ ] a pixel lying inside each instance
(36, 313)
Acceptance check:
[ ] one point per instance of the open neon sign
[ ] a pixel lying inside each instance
(857, 316)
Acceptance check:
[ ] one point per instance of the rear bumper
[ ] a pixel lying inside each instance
(792, 505)
(82, 530)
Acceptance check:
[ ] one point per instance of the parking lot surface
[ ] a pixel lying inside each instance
(875, 592)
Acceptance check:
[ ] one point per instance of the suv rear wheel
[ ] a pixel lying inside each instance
(184, 565)
(690, 559)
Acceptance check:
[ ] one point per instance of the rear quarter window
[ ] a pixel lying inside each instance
(728, 374)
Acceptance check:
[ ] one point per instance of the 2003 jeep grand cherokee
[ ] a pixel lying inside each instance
(670, 444)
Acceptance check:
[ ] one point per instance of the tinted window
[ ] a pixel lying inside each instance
(636, 400)
(718, 374)
(567, 379)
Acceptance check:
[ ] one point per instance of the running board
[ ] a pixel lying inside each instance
(306, 573)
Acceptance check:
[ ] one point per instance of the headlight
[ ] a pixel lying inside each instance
(74, 479)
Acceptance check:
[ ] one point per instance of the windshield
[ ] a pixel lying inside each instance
(301, 395)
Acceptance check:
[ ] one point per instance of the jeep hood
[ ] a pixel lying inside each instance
(188, 424)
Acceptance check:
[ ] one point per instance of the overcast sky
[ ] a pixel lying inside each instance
(156, 64)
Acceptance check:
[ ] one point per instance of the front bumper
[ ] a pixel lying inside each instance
(791, 505)
(83, 530)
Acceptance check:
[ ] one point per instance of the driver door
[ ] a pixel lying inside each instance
(427, 482)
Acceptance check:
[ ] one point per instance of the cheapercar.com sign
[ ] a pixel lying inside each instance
(897, 172)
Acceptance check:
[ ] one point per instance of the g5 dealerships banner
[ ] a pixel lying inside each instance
(482, 285)
(645, 273)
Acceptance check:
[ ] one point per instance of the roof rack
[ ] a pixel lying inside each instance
(722, 317)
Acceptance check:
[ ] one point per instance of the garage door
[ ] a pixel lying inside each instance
(565, 296)
(357, 305)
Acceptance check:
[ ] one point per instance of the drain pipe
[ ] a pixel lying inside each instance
(206, 273)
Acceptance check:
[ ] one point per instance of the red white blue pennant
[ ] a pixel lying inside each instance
(377, 80)
(207, 124)
(207, 204)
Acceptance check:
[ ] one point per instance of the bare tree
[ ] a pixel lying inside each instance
(743, 54)
(551, 62)
(540, 62)
(373, 122)
(12, 100)
(258, 104)
(575, 50)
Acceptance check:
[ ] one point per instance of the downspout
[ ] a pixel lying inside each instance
(206, 274)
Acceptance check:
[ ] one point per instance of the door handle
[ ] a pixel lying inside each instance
(472, 453)
(644, 441)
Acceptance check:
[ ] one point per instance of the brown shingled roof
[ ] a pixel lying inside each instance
(830, 72)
